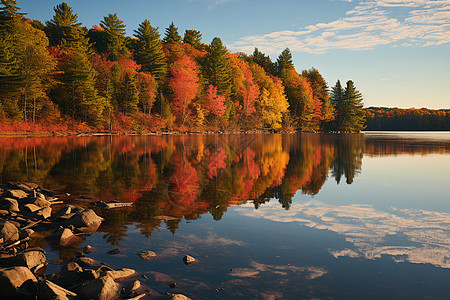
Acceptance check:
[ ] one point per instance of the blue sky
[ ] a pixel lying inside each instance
(396, 51)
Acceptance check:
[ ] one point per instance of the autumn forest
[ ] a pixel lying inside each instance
(61, 76)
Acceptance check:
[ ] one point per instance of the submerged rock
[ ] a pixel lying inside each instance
(147, 254)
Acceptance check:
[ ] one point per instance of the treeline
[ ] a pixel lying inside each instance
(383, 118)
(61, 72)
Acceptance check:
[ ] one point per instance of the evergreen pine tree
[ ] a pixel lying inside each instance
(353, 107)
(11, 44)
(64, 30)
(172, 35)
(284, 61)
(193, 37)
(264, 61)
(337, 100)
(149, 52)
(78, 96)
(130, 94)
(115, 31)
(217, 68)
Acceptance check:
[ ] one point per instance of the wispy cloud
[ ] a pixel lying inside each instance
(368, 24)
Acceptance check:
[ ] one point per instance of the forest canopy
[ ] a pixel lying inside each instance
(62, 74)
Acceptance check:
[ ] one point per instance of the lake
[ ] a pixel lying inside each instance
(268, 216)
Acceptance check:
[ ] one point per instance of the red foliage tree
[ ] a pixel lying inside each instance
(216, 103)
(184, 85)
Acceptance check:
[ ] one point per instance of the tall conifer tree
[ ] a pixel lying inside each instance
(149, 52)
(193, 37)
(172, 35)
(115, 31)
(64, 30)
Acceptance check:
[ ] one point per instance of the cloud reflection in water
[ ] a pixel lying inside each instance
(416, 236)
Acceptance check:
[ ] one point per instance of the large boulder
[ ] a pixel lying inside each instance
(103, 288)
(10, 204)
(70, 274)
(15, 194)
(121, 274)
(30, 258)
(24, 186)
(49, 290)
(85, 218)
(12, 279)
(8, 231)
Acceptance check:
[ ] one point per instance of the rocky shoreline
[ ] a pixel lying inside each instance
(26, 211)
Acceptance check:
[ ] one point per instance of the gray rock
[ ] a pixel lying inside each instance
(88, 249)
(50, 290)
(30, 207)
(121, 274)
(70, 275)
(85, 218)
(41, 202)
(8, 231)
(179, 297)
(26, 233)
(44, 213)
(10, 204)
(24, 186)
(11, 279)
(132, 287)
(188, 259)
(85, 262)
(63, 236)
(62, 212)
(103, 288)
(30, 258)
(15, 194)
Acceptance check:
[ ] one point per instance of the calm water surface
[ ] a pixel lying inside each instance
(267, 216)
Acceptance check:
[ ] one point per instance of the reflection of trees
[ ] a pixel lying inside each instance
(349, 154)
(181, 176)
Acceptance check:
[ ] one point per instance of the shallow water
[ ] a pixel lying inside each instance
(267, 216)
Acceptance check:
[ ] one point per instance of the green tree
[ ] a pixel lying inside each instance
(77, 95)
(149, 52)
(284, 61)
(130, 94)
(172, 35)
(264, 61)
(65, 30)
(337, 99)
(115, 31)
(35, 68)
(217, 68)
(193, 37)
(354, 116)
(11, 44)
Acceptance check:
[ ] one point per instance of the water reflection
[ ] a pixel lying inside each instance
(185, 176)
